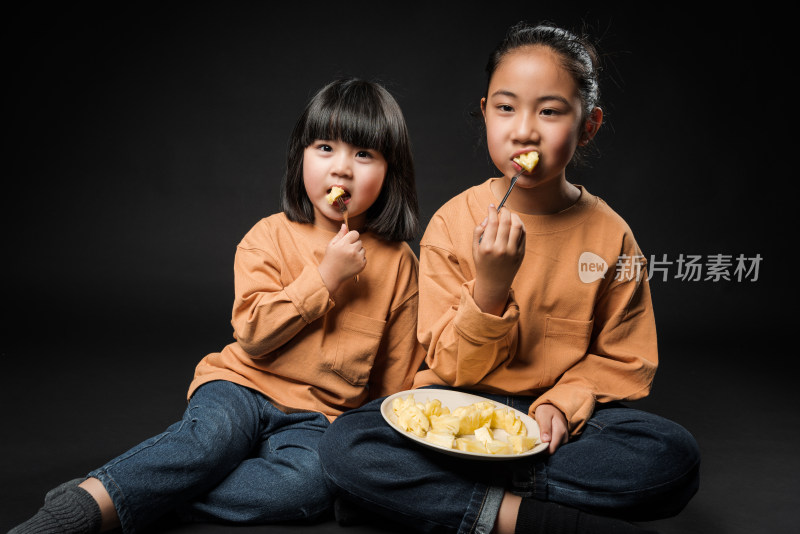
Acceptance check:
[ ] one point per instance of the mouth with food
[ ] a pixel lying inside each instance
(335, 193)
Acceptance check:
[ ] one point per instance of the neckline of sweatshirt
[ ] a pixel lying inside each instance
(570, 217)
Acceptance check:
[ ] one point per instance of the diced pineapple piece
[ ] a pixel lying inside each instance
(414, 420)
(521, 444)
(485, 417)
(496, 446)
(335, 193)
(483, 434)
(445, 423)
(469, 419)
(470, 444)
(508, 421)
(444, 439)
(528, 160)
(433, 407)
(398, 404)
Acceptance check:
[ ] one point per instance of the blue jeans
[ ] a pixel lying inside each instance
(626, 463)
(233, 457)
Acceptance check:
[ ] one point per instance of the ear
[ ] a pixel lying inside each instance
(483, 108)
(591, 126)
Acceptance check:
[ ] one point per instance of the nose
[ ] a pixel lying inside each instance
(525, 129)
(341, 164)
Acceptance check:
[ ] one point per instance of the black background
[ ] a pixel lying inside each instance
(144, 140)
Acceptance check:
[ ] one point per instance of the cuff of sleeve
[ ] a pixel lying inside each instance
(480, 327)
(309, 294)
(577, 405)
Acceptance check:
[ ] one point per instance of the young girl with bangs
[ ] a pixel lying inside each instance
(311, 340)
(510, 311)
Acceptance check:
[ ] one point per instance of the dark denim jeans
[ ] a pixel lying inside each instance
(626, 463)
(233, 457)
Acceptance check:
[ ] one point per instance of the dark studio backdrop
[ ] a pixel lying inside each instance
(144, 140)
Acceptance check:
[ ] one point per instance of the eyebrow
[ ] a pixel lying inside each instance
(505, 92)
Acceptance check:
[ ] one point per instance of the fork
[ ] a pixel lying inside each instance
(510, 187)
(343, 211)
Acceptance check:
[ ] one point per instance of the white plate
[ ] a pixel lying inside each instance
(454, 399)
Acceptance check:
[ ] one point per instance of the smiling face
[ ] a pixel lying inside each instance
(360, 172)
(534, 104)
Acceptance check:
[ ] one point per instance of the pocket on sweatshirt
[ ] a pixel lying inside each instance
(359, 339)
(565, 343)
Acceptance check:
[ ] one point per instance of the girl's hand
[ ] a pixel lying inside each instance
(344, 258)
(498, 255)
(552, 426)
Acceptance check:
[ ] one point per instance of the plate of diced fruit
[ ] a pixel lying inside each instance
(462, 424)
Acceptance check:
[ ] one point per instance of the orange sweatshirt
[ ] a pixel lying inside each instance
(570, 334)
(307, 349)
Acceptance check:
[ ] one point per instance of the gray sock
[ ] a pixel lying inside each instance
(73, 511)
(58, 490)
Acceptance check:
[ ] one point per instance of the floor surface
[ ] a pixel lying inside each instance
(71, 402)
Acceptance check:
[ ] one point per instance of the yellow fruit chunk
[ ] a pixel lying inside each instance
(508, 421)
(414, 420)
(335, 193)
(483, 434)
(434, 407)
(496, 446)
(445, 423)
(398, 404)
(470, 444)
(522, 443)
(473, 416)
(528, 160)
(443, 439)
(469, 419)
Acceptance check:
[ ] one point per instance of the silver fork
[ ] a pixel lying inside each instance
(510, 187)
(343, 211)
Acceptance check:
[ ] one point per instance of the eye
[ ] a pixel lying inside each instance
(550, 112)
(324, 147)
(505, 108)
(363, 154)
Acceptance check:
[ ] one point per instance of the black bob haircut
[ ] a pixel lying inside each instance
(365, 115)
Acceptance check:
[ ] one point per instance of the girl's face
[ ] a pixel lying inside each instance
(533, 104)
(359, 171)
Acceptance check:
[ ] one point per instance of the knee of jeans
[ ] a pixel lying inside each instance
(341, 447)
(674, 471)
(213, 430)
(680, 450)
(673, 448)
(331, 444)
(308, 500)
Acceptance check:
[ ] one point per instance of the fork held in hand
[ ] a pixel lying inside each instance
(510, 187)
(343, 211)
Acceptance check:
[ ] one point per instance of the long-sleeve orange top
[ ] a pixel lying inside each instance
(578, 327)
(307, 349)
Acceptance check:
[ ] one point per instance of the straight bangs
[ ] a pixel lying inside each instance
(354, 113)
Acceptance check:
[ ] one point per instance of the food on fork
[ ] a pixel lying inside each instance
(528, 160)
(335, 193)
